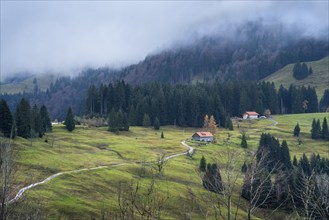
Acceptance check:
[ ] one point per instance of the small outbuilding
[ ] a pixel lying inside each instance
(250, 115)
(203, 136)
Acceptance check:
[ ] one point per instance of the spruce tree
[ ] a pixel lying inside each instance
(203, 164)
(325, 132)
(244, 143)
(285, 155)
(156, 123)
(294, 161)
(146, 120)
(45, 119)
(296, 130)
(23, 117)
(212, 179)
(313, 130)
(69, 120)
(305, 165)
(318, 129)
(162, 135)
(6, 120)
(36, 127)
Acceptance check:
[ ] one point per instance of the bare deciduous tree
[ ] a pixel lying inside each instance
(7, 172)
(257, 188)
(137, 203)
(223, 198)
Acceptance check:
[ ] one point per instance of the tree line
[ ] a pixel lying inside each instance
(186, 105)
(26, 122)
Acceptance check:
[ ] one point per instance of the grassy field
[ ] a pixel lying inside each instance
(43, 82)
(88, 194)
(319, 79)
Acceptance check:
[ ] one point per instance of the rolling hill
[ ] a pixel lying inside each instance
(319, 79)
(17, 85)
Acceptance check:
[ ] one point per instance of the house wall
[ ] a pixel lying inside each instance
(253, 116)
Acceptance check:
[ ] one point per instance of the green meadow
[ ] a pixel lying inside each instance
(89, 194)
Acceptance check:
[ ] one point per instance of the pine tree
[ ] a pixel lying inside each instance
(162, 135)
(69, 120)
(244, 143)
(23, 117)
(203, 164)
(6, 120)
(146, 120)
(296, 130)
(45, 119)
(156, 123)
(325, 132)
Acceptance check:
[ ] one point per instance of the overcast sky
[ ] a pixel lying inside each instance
(40, 36)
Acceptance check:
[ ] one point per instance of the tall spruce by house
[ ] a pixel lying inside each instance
(297, 130)
(22, 118)
(69, 120)
(6, 120)
(325, 132)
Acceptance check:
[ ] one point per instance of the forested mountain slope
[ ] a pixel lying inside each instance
(250, 52)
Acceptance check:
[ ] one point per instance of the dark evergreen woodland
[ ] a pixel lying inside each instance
(185, 105)
(6, 120)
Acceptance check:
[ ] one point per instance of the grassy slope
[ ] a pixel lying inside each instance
(85, 194)
(43, 82)
(319, 79)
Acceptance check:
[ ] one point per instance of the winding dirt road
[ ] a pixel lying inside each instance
(24, 189)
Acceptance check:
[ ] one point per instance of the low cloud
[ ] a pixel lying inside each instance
(43, 36)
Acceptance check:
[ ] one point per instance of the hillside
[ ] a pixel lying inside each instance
(95, 192)
(319, 79)
(16, 85)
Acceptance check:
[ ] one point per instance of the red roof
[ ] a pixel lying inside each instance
(251, 113)
(204, 134)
